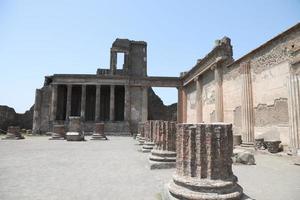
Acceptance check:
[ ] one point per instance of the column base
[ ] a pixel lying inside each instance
(248, 144)
(56, 136)
(141, 140)
(203, 189)
(162, 159)
(10, 136)
(97, 136)
(147, 147)
(74, 136)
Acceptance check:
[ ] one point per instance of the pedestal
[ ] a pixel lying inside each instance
(58, 132)
(13, 133)
(204, 165)
(99, 132)
(74, 133)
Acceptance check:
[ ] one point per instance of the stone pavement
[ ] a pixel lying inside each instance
(38, 168)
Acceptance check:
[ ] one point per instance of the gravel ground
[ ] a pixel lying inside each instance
(38, 168)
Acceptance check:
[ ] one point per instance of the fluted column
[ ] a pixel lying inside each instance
(294, 111)
(54, 102)
(112, 103)
(97, 109)
(247, 106)
(69, 100)
(219, 93)
(127, 103)
(203, 163)
(184, 105)
(199, 114)
(144, 104)
(83, 102)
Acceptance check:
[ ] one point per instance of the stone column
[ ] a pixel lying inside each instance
(127, 103)
(97, 109)
(219, 93)
(149, 133)
(36, 125)
(199, 113)
(69, 100)
(83, 101)
(112, 103)
(184, 105)
(203, 163)
(144, 104)
(163, 155)
(294, 112)
(179, 105)
(247, 106)
(53, 102)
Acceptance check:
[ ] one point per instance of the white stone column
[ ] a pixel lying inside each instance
(219, 93)
(127, 103)
(294, 111)
(247, 106)
(199, 114)
(97, 108)
(144, 104)
(69, 100)
(112, 103)
(53, 102)
(83, 102)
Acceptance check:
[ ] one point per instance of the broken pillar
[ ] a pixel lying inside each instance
(163, 155)
(141, 133)
(150, 131)
(58, 132)
(203, 163)
(74, 129)
(13, 133)
(98, 133)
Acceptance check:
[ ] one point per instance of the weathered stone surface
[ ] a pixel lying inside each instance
(163, 155)
(204, 165)
(13, 133)
(237, 140)
(98, 134)
(259, 144)
(243, 156)
(272, 145)
(74, 129)
(58, 133)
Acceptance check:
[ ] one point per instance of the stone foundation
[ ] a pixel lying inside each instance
(75, 131)
(204, 165)
(13, 133)
(99, 132)
(164, 153)
(58, 132)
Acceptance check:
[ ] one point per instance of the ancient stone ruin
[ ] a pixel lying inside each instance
(163, 155)
(150, 132)
(140, 137)
(13, 133)
(75, 132)
(204, 165)
(58, 133)
(99, 132)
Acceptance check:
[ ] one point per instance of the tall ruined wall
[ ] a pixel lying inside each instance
(269, 68)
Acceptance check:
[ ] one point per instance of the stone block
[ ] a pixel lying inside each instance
(98, 133)
(13, 133)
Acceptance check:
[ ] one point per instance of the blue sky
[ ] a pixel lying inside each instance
(39, 38)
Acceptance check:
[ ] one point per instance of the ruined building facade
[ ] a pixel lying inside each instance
(258, 93)
(117, 97)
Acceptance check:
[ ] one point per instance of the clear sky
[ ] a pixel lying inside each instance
(43, 37)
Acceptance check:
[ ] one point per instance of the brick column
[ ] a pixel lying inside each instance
(69, 101)
(112, 103)
(83, 102)
(199, 113)
(97, 109)
(294, 111)
(163, 155)
(53, 103)
(149, 134)
(219, 93)
(247, 106)
(204, 165)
